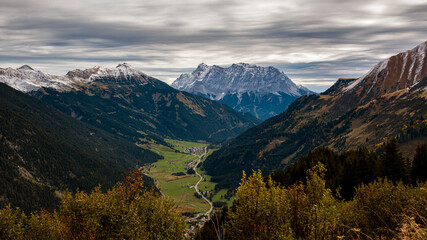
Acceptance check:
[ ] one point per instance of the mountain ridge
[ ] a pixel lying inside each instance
(261, 91)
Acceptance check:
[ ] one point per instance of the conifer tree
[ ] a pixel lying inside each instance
(393, 165)
(419, 165)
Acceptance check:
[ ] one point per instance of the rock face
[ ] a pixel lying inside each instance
(129, 103)
(402, 71)
(262, 91)
(389, 101)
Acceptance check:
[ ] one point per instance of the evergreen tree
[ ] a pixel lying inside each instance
(393, 165)
(419, 165)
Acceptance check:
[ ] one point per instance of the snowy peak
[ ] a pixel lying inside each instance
(26, 79)
(26, 68)
(127, 70)
(261, 91)
(202, 67)
(121, 74)
(243, 65)
(238, 78)
(402, 71)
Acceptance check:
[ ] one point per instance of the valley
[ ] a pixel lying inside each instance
(171, 175)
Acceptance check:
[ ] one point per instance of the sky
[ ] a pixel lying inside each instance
(314, 42)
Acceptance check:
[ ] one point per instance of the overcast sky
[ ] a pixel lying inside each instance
(313, 41)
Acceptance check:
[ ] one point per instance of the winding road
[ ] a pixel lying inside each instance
(208, 213)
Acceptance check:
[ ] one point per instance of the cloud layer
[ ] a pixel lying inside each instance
(314, 42)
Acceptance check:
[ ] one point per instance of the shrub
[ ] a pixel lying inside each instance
(178, 174)
(127, 211)
(11, 223)
(260, 211)
(219, 204)
(263, 210)
(380, 208)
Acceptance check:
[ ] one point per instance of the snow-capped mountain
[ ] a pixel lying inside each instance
(261, 91)
(122, 73)
(26, 79)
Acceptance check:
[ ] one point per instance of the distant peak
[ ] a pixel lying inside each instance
(25, 67)
(241, 64)
(202, 66)
(124, 65)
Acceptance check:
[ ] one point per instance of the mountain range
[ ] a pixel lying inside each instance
(388, 101)
(129, 103)
(261, 91)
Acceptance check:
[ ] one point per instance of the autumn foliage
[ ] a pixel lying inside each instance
(127, 211)
(382, 209)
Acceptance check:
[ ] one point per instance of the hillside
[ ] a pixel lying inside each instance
(261, 91)
(128, 103)
(388, 101)
(43, 151)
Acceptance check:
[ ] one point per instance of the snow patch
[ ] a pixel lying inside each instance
(26, 79)
(374, 71)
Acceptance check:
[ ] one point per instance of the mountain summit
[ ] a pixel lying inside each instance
(123, 73)
(262, 91)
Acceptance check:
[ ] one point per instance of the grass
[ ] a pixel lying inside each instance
(210, 186)
(181, 145)
(179, 188)
(222, 192)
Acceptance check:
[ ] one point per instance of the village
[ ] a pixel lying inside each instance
(195, 224)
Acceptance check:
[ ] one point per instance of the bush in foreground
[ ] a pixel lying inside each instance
(382, 209)
(127, 211)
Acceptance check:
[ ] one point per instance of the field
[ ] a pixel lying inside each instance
(179, 188)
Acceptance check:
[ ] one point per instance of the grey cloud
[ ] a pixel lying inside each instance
(166, 37)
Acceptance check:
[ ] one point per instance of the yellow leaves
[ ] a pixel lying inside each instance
(127, 211)
(263, 210)
(404, 127)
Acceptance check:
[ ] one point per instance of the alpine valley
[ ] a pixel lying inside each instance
(81, 130)
(263, 92)
(388, 101)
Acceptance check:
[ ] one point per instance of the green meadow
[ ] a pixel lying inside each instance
(179, 188)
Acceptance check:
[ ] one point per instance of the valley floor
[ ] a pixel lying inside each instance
(170, 174)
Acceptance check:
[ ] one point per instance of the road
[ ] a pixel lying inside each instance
(208, 213)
